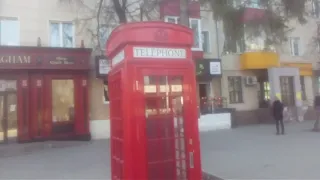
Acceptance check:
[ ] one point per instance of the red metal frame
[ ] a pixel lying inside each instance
(133, 138)
(34, 88)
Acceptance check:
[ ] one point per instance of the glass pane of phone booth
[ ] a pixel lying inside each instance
(166, 152)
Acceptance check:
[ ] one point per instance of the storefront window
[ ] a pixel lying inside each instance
(62, 100)
(235, 89)
(266, 89)
(8, 111)
(287, 90)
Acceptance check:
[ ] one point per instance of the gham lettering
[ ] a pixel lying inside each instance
(15, 60)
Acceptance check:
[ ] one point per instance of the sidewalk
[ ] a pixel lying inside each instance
(249, 152)
(255, 152)
(9, 150)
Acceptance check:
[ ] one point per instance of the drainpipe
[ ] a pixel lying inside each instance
(217, 38)
(218, 52)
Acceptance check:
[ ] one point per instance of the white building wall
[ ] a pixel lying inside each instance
(34, 17)
(216, 34)
(309, 54)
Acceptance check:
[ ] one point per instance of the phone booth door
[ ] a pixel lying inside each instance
(166, 122)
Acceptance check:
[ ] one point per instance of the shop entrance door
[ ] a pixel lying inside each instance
(61, 104)
(53, 103)
(8, 112)
(169, 141)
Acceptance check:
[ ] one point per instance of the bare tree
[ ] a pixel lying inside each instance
(103, 15)
(273, 24)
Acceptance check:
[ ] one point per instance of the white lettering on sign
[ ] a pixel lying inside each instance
(118, 58)
(149, 52)
(104, 67)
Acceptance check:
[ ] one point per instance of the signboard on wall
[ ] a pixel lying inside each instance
(102, 66)
(215, 68)
(158, 53)
(206, 69)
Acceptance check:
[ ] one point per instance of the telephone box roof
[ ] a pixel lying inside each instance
(149, 33)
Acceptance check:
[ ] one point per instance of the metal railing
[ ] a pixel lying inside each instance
(207, 105)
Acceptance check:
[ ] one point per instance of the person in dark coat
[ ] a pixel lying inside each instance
(277, 108)
(316, 126)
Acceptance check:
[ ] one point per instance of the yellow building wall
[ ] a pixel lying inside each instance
(98, 110)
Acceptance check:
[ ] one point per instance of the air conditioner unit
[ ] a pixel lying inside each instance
(250, 80)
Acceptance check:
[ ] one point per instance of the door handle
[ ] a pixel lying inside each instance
(191, 159)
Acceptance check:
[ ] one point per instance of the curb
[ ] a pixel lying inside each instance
(208, 176)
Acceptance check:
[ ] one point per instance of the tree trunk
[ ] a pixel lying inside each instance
(184, 12)
(120, 10)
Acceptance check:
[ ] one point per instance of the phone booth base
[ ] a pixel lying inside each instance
(153, 107)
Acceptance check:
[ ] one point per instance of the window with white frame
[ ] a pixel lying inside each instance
(315, 8)
(172, 19)
(9, 32)
(294, 46)
(254, 4)
(62, 34)
(206, 41)
(195, 25)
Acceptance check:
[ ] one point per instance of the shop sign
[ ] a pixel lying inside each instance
(159, 53)
(15, 59)
(215, 68)
(61, 60)
(208, 68)
(103, 66)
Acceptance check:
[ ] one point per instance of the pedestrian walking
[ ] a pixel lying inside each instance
(277, 108)
(317, 109)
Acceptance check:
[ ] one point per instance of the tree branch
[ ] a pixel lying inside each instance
(98, 28)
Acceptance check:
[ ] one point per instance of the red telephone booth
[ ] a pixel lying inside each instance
(153, 107)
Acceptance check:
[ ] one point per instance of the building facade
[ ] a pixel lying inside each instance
(44, 73)
(57, 33)
(257, 74)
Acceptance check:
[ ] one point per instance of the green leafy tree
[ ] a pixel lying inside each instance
(273, 24)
